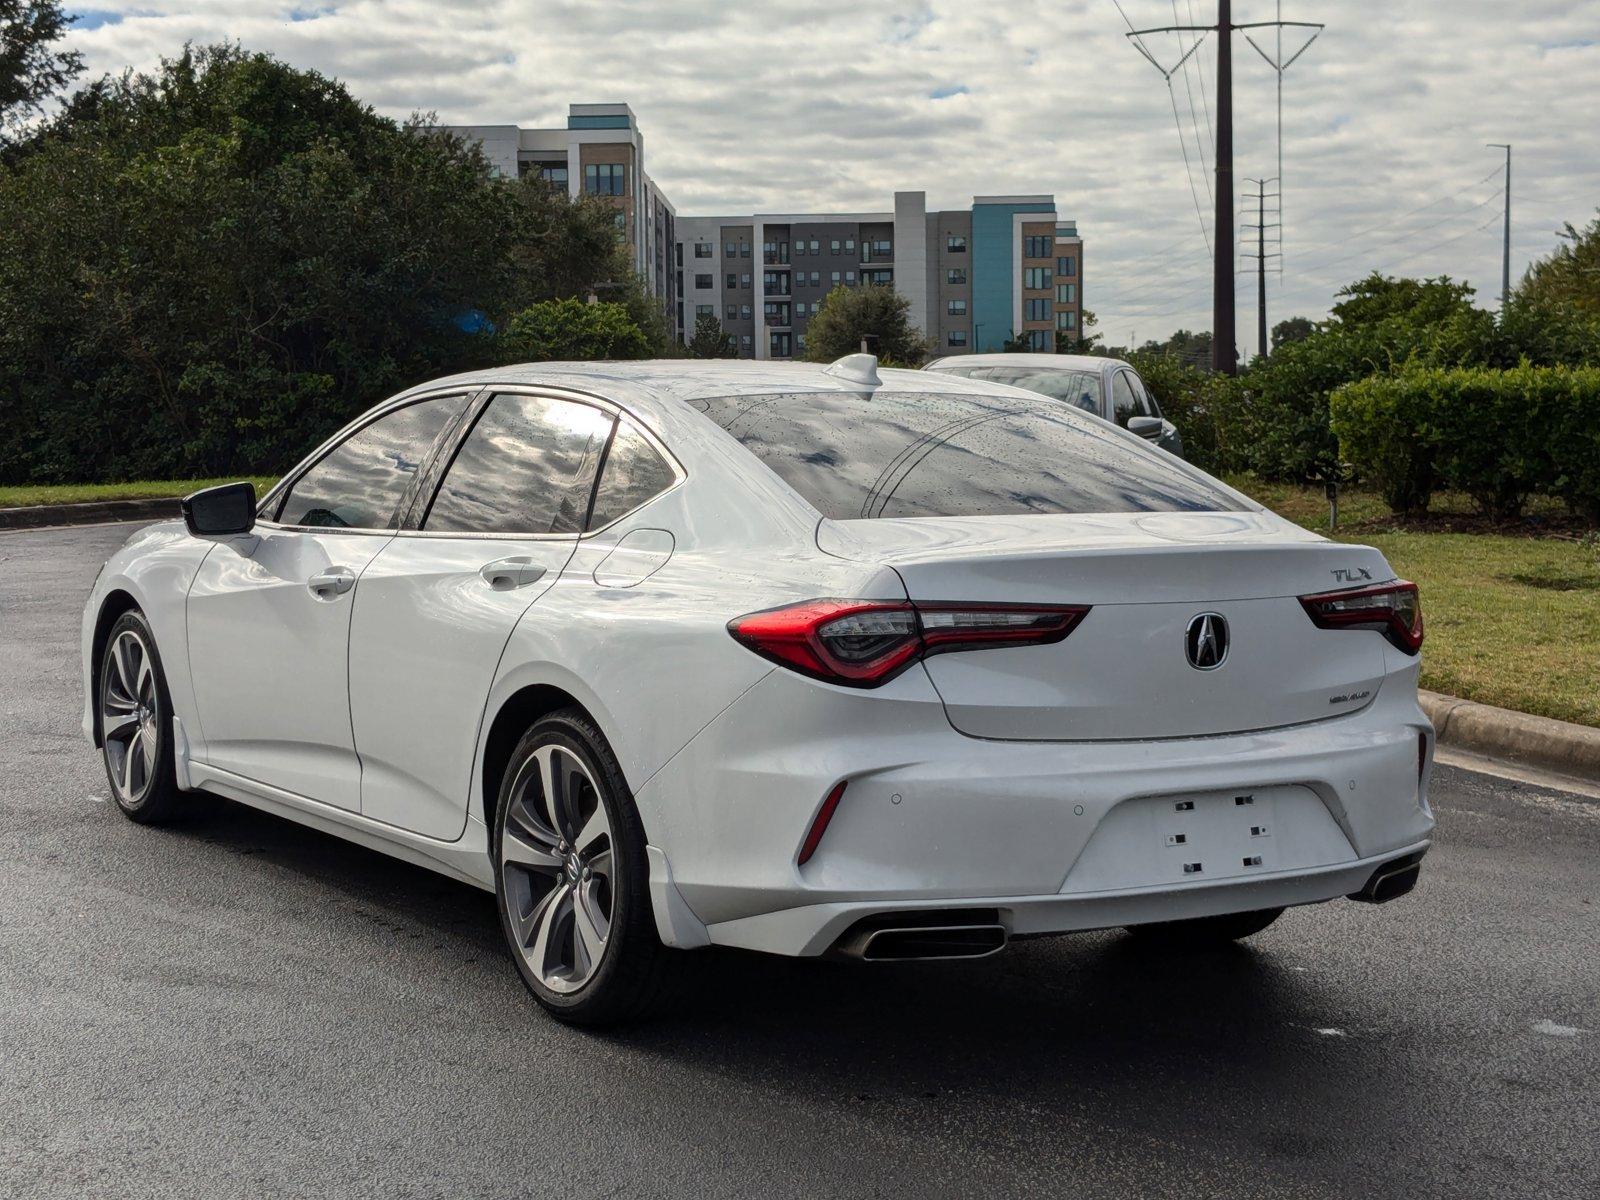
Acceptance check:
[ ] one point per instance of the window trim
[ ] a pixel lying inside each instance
(419, 511)
(274, 500)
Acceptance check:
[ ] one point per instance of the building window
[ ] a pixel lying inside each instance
(850, 277)
(1066, 293)
(800, 342)
(778, 345)
(731, 250)
(705, 281)
(1067, 265)
(733, 312)
(1038, 246)
(605, 179)
(955, 244)
(833, 277)
(878, 278)
(703, 249)
(705, 310)
(1036, 310)
(816, 246)
(744, 249)
(833, 246)
(956, 275)
(744, 280)
(1037, 278)
(733, 280)
(1067, 320)
(816, 279)
(744, 339)
(744, 312)
(849, 245)
(957, 337)
(957, 308)
(775, 283)
(878, 248)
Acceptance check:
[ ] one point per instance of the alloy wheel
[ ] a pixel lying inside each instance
(557, 867)
(130, 716)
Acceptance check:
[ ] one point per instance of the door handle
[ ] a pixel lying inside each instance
(331, 583)
(504, 574)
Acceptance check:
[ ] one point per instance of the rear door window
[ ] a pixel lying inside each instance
(1078, 388)
(528, 466)
(927, 454)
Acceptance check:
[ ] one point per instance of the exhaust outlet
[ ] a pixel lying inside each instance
(1390, 881)
(920, 937)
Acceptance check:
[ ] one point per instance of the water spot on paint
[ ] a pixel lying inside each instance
(1550, 1029)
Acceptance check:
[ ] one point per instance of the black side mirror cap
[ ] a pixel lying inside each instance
(224, 511)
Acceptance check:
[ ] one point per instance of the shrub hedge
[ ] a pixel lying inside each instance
(1498, 436)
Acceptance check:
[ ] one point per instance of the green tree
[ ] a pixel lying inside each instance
(1554, 315)
(32, 70)
(1295, 329)
(849, 314)
(208, 268)
(572, 331)
(709, 341)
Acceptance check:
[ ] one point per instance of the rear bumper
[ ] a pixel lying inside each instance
(815, 929)
(1058, 835)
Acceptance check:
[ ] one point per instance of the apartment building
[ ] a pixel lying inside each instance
(1006, 267)
(600, 152)
(976, 277)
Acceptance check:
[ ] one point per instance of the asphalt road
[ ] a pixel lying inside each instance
(243, 1007)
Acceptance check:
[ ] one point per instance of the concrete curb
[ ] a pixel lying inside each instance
(1499, 733)
(36, 516)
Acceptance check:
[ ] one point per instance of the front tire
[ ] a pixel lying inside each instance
(571, 877)
(1199, 932)
(136, 724)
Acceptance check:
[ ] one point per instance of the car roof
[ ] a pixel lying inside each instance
(1042, 361)
(658, 388)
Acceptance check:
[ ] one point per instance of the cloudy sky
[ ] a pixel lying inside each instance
(833, 104)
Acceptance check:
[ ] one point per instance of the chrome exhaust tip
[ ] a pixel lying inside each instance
(922, 937)
(1390, 881)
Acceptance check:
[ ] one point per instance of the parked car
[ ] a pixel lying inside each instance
(1107, 387)
(799, 659)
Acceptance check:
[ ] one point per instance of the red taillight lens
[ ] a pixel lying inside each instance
(1393, 608)
(863, 643)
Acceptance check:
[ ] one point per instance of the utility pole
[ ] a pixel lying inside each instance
(1224, 345)
(1505, 248)
(1224, 348)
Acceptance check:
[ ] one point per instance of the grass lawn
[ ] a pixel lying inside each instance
(1512, 619)
(21, 495)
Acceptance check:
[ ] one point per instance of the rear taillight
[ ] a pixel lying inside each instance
(1395, 609)
(863, 643)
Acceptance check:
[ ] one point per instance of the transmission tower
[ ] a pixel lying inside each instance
(1224, 347)
(1261, 254)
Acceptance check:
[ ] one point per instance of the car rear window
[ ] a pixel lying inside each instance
(927, 454)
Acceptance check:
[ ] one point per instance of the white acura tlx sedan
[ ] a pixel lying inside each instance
(810, 660)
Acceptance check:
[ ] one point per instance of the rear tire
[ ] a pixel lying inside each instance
(1207, 931)
(572, 878)
(136, 724)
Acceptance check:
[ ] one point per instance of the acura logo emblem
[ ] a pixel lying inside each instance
(1206, 641)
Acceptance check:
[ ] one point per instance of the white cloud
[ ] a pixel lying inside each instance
(834, 105)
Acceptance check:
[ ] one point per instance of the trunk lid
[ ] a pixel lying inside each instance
(1125, 672)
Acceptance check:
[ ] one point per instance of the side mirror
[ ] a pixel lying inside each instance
(225, 511)
(1145, 427)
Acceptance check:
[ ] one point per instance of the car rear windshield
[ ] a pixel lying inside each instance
(926, 454)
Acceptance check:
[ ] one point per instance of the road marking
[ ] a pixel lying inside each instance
(1501, 769)
(1550, 1029)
